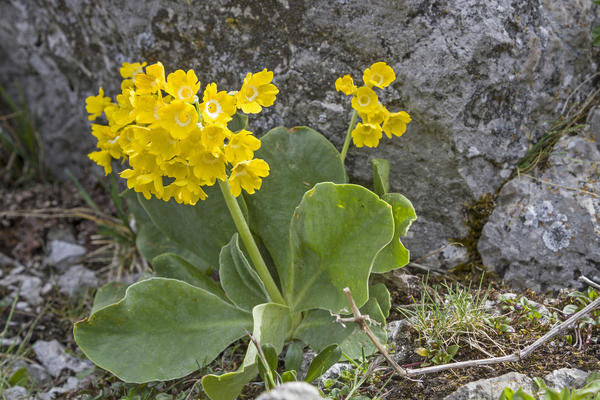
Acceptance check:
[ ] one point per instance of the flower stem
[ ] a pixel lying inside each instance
(348, 135)
(244, 231)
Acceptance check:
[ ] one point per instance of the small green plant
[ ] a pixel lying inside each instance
(447, 322)
(591, 391)
(307, 233)
(587, 323)
(21, 151)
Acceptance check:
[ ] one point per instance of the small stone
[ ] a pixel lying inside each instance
(491, 389)
(76, 280)
(8, 342)
(64, 253)
(399, 334)
(292, 391)
(334, 371)
(53, 393)
(53, 356)
(30, 286)
(566, 377)
(15, 393)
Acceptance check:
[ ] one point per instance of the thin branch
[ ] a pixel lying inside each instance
(361, 321)
(590, 282)
(515, 357)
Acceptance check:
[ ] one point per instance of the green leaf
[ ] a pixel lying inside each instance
(201, 229)
(172, 266)
(294, 356)
(162, 329)
(381, 176)
(271, 323)
(239, 280)
(395, 255)
(319, 330)
(336, 232)
(19, 378)
(270, 354)
(298, 158)
(382, 295)
(323, 361)
(150, 241)
(109, 294)
(289, 376)
(238, 122)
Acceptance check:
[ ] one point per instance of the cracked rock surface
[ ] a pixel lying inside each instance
(480, 79)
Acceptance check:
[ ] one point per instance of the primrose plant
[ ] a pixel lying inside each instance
(306, 232)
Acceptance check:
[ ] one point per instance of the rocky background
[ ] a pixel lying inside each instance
(483, 81)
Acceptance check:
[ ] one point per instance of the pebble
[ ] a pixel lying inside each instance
(52, 355)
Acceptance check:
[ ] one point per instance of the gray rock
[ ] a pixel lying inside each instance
(334, 371)
(76, 280)
(30, 286)
(52, 355)
(63, 254)
(480, 78)
(566, 377)
(69, 386)
(490, 389)
(545, 230)
(15, 393)
(10, 342)
(399, 337)
(36, 372)
(593, 125)
(292, 391)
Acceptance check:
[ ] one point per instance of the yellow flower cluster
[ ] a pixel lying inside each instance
(174, 142)
(375, 117)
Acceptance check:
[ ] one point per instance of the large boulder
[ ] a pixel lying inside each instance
(479, 78)
(545, 230)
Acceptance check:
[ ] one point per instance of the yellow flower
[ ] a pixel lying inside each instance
(129, 70)
(183, 86)
(241, 147)
(179, 118)
(396, 124)
(257, 92)
(213, 136)
(345, 84)
(103, 159)
(365, 100)
(184, 191)
(247, 175)
(217, 108)
(95, 105)
(147, 183)
(366, 135)
(376, 116)
(209, 166)
(161, 144)
(146, 108)
(152, 81)
(380, 74)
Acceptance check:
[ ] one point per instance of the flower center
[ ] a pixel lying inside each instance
(182, 119)
(364, 101)
(378, 79)
(184, 92)
(251, 93)
(213, 109)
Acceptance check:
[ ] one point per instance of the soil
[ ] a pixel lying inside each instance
(23, 238)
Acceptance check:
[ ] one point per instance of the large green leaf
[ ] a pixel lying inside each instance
(162, 329)
(239, 280)
(298, 158)
(381, 176)
(395, 255)
(271, 324)
(201, 229)
(109, 294)
(169, 265)
(319, 330)
(149, 240)
(336, 232)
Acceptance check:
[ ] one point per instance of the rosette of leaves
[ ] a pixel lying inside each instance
(318, 234)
